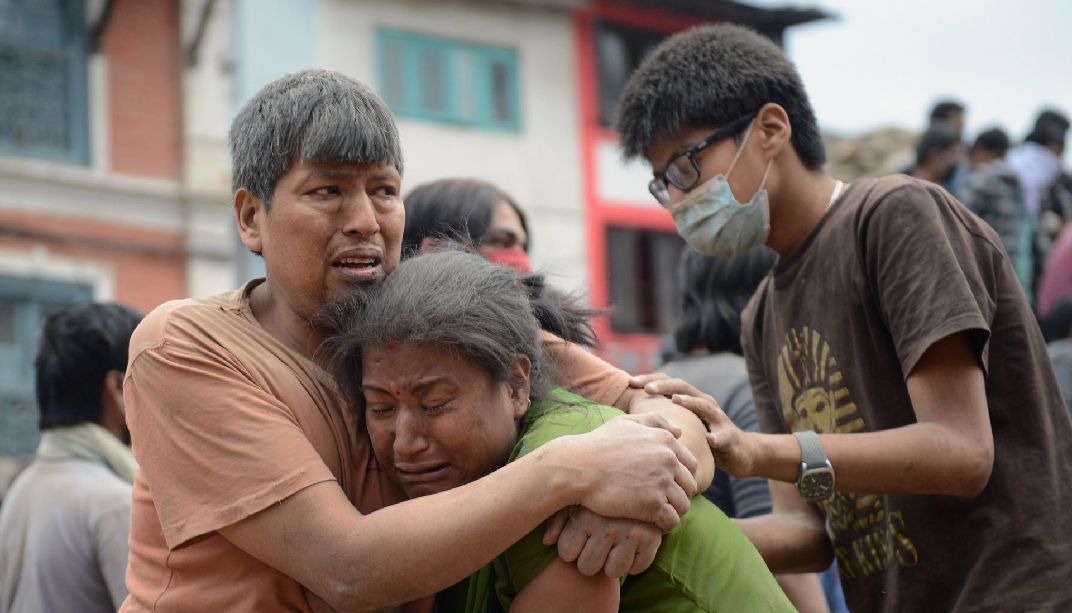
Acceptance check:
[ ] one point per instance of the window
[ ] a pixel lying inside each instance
(438, 79)
(644, 286)
(619, 51)
(24, 305)
(43, 80)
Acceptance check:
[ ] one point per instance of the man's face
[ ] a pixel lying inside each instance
(331, 228)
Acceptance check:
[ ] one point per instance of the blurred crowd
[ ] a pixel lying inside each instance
(1022, 191)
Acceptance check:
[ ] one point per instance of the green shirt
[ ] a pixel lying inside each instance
(705, 564)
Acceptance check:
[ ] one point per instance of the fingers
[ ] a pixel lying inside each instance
(668, 387)
(594, 554)
(704, 407)
(655, 420)
(554, 527)
(621, 558)
(689, 462)
(639, 381)
(666, 518)
(685, 480)
(646, 549)
(679, 499)
(571, 541)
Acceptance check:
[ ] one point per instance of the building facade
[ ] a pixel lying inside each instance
(94, 198)
(114, 164)
(520, 93)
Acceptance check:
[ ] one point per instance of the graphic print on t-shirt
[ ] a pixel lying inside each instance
(814, 396)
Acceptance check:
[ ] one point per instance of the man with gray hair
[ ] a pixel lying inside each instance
(256, 479)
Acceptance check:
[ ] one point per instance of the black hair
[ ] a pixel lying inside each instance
(309, 115)
(454, 209)
(945, 110)
(994, 140)
(456, 299)
(935, 140)
(714, 292)
(710, 76)
(79, 346)
(1050, 128)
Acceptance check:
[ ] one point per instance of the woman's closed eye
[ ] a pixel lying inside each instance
(434, 408)
(379, 410)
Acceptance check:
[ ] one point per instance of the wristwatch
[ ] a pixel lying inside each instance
(816, 479)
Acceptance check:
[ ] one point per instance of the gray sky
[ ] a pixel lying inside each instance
(884, 62)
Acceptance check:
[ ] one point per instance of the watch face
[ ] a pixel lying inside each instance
(817, 484)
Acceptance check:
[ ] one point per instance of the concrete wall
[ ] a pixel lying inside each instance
(541, 165)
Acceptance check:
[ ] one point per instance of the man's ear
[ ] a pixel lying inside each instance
(249, 215)
(113, 410)
(520, 388)
(775, 131)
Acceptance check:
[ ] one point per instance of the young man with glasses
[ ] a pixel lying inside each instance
(891, 339)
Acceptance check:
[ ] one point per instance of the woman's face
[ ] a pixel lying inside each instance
(506, 231)
(437, 419)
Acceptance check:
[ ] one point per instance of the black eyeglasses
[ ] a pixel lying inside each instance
(682, 171)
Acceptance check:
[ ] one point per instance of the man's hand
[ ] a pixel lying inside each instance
(735, 452)
(632, 467)
(595, 543)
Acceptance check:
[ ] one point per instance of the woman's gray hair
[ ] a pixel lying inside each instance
(310, 115)
(459, 300)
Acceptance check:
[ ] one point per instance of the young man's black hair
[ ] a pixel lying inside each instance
(711, 76)
(79, 346)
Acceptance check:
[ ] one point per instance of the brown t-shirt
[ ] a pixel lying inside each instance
(830, 337)
(225, 421)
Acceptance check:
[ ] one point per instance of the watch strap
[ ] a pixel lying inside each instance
(811, 450)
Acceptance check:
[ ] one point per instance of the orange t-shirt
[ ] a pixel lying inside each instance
(225, 421)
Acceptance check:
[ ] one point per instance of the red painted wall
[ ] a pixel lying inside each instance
(144, 58)
(635, 349)
(148, 266)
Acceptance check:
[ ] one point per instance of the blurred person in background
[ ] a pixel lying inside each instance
(714, 292)
(945, 115)
(990, 146)
(948, 113)
(1037, 163)
(65, 523)
(938, 155)
(1057, 329)
(469, 211)
(993, 192)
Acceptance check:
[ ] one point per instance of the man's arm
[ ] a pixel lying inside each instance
(805, 591)
(792, 538)
(949, 451)
(421, 546)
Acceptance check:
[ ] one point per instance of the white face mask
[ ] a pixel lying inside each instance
(711, 220)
